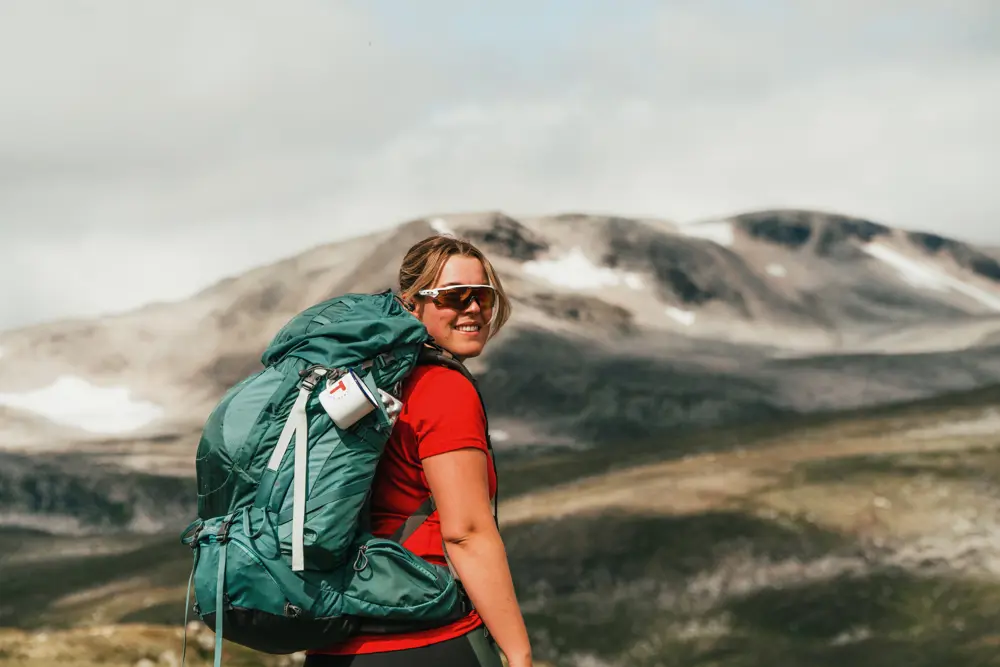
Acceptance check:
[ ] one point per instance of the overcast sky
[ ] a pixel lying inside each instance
(149, 148)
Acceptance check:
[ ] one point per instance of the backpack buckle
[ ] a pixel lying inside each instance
(311, 376)
(222, 535)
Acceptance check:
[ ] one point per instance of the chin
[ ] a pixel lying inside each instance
(465, 349)
(471, 353)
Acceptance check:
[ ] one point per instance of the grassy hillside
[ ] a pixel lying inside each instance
(865, 536)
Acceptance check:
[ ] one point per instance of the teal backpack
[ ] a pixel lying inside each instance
(284, 559)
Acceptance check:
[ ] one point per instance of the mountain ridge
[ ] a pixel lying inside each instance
(734, 293)
(794, 465)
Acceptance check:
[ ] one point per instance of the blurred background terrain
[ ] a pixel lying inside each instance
(747, 411)
(705, 460)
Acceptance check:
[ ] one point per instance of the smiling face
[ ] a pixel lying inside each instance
(465, 331)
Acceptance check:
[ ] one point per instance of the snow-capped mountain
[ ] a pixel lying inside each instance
(677, 324)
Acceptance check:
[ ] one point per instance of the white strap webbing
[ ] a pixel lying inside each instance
(301, 454)
(296, 425)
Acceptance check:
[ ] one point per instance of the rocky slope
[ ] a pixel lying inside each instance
(69, 494)
(623, 329)
(788, 279)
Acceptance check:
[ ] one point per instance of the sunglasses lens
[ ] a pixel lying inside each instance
(459, 298)
(485, 296)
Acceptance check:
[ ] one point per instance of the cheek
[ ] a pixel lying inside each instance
(438, 322)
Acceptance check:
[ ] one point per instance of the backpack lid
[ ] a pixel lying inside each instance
(346, 330)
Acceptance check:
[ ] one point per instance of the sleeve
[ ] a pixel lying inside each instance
(449, 414)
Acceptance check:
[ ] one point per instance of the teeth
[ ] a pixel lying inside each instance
(468, 327)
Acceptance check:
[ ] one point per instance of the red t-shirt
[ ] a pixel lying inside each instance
(441, 413)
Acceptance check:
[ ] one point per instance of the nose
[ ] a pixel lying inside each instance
(473, 306)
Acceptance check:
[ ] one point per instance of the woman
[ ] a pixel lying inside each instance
(438, 447)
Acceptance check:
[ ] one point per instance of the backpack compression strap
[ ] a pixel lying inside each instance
(297, 425)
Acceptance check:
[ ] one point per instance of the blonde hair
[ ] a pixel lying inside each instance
(423, 264)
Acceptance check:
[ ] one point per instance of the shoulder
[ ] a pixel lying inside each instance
(431, 381)
(444, 411)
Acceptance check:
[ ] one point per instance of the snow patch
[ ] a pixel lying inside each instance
(928, 276)
(912, 271)
(576, 271)
(717, 232)
(441, 227)
(685, 317)
(634, 280)
(72, 401)
(777, 270)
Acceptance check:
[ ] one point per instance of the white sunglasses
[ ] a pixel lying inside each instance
(458, 297)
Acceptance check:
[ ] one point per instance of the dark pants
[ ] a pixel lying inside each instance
(474, 649)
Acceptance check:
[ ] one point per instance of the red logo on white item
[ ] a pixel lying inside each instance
(340, 386)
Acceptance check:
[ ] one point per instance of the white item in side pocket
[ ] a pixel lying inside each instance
(346, 399)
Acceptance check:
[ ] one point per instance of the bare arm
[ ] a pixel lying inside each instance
(459, 483)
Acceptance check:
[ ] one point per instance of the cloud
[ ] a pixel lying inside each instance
(148, 149)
